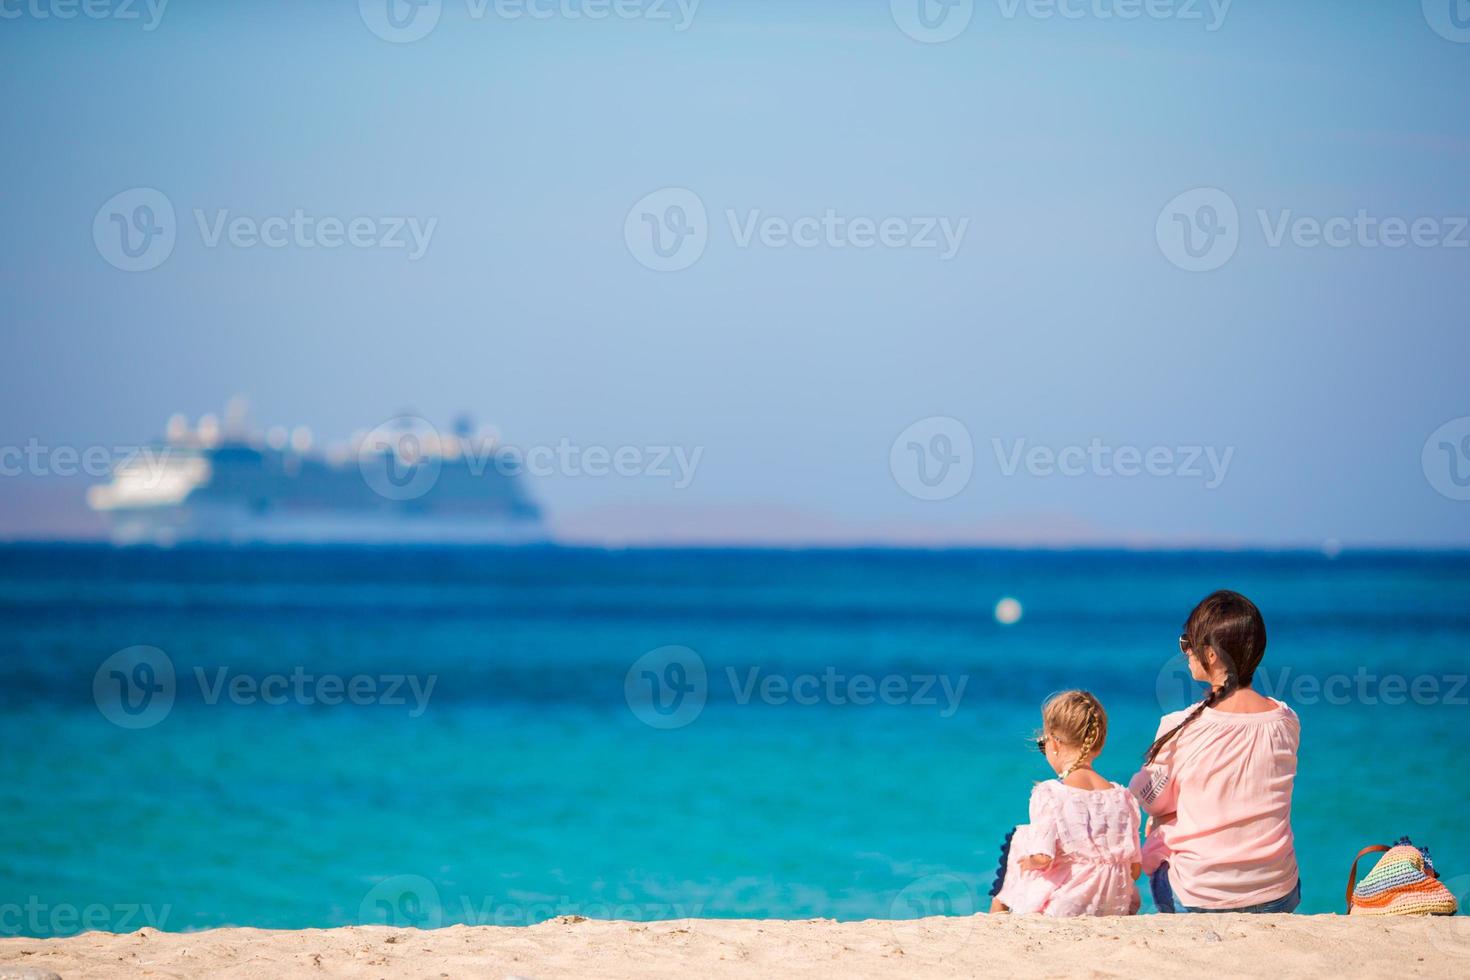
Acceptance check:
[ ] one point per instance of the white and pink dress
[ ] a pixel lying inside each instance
(1092, 839)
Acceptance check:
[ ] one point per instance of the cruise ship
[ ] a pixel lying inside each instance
(402, 482)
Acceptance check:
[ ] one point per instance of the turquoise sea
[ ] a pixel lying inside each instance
(423, 737)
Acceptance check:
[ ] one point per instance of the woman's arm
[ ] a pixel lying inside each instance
(1155, 789)
(1154, 786)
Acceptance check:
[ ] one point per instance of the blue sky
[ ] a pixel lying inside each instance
(1061, 318)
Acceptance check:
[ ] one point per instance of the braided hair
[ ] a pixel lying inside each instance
(1231, 626)
(1076, 718)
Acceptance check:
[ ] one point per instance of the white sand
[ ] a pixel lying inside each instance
(1216, 947)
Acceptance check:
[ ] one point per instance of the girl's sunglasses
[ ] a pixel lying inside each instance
(1184, 643)
(1041, 744)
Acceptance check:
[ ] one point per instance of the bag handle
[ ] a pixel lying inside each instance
(1353, 874)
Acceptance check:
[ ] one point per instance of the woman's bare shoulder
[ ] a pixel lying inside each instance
(1247, 702)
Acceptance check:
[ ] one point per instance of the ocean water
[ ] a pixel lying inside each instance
(426, 737)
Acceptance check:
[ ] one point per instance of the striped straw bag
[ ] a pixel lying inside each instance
(1403, 882)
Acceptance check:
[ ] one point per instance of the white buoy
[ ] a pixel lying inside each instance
(1007, 611)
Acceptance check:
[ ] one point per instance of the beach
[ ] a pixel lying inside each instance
(571, 947)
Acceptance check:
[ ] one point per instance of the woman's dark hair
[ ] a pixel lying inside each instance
(1231, 625)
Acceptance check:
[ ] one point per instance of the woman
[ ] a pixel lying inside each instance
(1217, 781)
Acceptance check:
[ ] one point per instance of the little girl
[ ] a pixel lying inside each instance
(1217, 781)
(1079, 854)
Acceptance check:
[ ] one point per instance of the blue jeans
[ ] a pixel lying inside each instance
(1164, 897)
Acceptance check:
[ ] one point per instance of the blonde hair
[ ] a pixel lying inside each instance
(1076, 719)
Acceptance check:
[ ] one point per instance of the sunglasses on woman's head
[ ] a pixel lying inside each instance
(1184, 643)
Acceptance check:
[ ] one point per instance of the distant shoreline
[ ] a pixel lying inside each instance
(572, 547)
